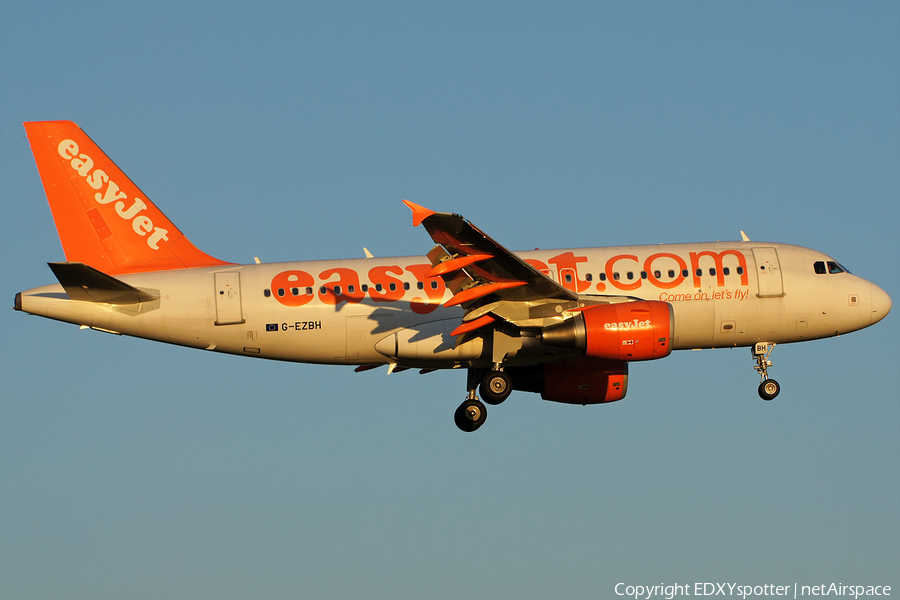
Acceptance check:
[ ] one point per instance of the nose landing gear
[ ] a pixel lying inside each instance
(768, 388)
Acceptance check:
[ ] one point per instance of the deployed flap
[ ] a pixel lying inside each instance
(499, 272)
(87, 284)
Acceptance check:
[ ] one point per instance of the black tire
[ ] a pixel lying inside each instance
(470, 415)
(768, 389)
(495, 387)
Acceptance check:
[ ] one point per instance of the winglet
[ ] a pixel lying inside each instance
(420, 213)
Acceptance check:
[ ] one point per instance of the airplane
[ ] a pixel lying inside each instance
(562, 323)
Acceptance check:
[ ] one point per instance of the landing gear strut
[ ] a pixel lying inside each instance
(768, 388)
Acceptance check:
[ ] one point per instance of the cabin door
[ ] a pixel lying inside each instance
(228, 298)
(768, 273)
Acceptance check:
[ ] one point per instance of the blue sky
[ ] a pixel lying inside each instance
(289, 131)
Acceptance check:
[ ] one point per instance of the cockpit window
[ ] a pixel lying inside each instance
(821, 268)
(833, 267)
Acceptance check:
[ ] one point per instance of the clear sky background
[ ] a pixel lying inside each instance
(289, 131)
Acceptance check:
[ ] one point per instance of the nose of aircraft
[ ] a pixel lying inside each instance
(881, 304)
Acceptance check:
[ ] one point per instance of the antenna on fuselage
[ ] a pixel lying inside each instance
(744, 237)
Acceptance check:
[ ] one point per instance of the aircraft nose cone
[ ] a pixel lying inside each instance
(881, 304)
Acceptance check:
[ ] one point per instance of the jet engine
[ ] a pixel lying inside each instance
(639, 330)
(578, 381)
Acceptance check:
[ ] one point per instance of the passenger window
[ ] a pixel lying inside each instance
(309, 291)
(616, 276)
(657, 274)
(434, 285)
(684, 273)
(405, 285)
(726, 270)
(281, 292)
(672, 273)
(378, 287)
(643, 274)
(393, 287)
(267, 292)
(568, 278)
(699, 272)
(295, 292)
(602, 276)
(351, 288)
(323, 290)
(588, 277)
(337, 290)
(740, 270)
(420, 285)
(712, 271)
(819, 267)
(364, 287)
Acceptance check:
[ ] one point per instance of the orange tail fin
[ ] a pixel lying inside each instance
(102, 218)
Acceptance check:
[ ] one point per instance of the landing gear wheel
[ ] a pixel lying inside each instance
(496, 387)
(768, 389)
(470, 415)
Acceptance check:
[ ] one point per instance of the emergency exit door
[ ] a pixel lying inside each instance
(228, 298)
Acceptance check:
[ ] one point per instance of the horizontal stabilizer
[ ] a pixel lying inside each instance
(87, 284)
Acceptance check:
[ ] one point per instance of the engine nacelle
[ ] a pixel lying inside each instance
(639, 330)
(578, 381)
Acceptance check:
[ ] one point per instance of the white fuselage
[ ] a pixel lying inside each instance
(337, 311)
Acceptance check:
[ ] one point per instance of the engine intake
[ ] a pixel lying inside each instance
(639, 330)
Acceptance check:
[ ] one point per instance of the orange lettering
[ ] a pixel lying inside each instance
(348, 278)
(567, 267)
(379, 275)
(610, 264)
(717, 257)
(419, 305)
(283, 282)
(648, 267)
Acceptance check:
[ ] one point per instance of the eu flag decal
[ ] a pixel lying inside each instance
(271, 326)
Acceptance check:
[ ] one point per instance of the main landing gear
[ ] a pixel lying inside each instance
(768, 388)
(495, 387)
(470, 415)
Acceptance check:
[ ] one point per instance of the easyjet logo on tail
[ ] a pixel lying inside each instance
(97, 178)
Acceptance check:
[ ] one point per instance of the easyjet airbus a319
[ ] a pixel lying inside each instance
(561, 323)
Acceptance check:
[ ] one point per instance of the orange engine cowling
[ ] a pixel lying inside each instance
(639, 330)
(578, 381)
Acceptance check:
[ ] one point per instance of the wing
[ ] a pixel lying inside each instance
(491, 283)
(477, 269)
